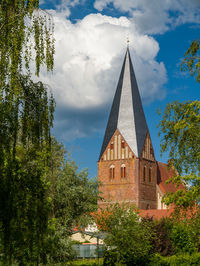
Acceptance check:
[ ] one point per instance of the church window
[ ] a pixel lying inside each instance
(112, 172)
(150, 174)
(108, 154)
(123, 171)
(126, 152)
(115, 148)
(144, 173)
(123, 144)
(111, 151)
(119, 146)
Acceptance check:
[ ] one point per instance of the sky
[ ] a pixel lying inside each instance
(91, 41)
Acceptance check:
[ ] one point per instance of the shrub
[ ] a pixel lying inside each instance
(127, 234)
(110, 258)
(183, 259)
(161, 242)
(184, 238)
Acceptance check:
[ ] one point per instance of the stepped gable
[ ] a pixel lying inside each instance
(127, 113)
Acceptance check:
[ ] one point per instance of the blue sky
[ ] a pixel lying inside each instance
(90, 48)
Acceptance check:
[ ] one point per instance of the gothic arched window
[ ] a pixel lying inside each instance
(112, 172)
(150, 174)
(144, 173)
(123, 171)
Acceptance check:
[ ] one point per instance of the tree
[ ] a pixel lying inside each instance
(26, 115)
(184, 237)
(128, 236)
(191, 61)
(25, 150)
(162, 243)
(180, 127)
(73, 200)
(22, 25)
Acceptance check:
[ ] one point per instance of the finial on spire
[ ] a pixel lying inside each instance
(128, 41)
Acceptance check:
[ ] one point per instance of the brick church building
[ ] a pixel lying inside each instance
(127, 167)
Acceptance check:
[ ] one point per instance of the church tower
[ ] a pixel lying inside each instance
(127, 169)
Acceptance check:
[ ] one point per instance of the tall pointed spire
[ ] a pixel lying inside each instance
(127, 113)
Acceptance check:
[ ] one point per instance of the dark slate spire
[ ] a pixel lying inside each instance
(127, 114)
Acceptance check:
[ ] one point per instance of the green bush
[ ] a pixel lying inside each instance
(110, 258)
(175, 236)
(128, 235)
(162, 243)
(183, 259)
(184, 238)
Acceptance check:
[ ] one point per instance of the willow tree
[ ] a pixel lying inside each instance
(24, 30)
(26, 115)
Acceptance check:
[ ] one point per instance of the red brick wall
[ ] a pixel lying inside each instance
(132, 188)
(118, 189)
(147, 189)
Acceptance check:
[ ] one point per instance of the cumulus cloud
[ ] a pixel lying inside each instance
(156, 16)
(88, 60)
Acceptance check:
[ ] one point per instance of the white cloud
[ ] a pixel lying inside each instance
(88, 60)
(156, 16)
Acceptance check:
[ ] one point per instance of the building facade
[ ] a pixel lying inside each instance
(127, 168)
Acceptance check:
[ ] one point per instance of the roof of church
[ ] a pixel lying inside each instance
(156, 214)
(163, 174)
(127, 113)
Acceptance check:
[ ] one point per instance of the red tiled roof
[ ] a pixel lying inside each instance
(163, 175)
(156, 214)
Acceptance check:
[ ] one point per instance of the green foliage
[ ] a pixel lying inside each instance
(184, 238)
(191, 60)
(26, 115)
(176, 235)
(58, 246)
(127, 234)
(22, 24)
(180, 126)
(73, 197)
(110, 257)
(85, 262)
(25, 121)
(76, 196)
(175, 260)
(162, 243)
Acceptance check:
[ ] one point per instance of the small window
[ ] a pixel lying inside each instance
(123, 171)
(112, 172)
(123, 144)
(111, 146)
(150, 174)
(144, 173)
